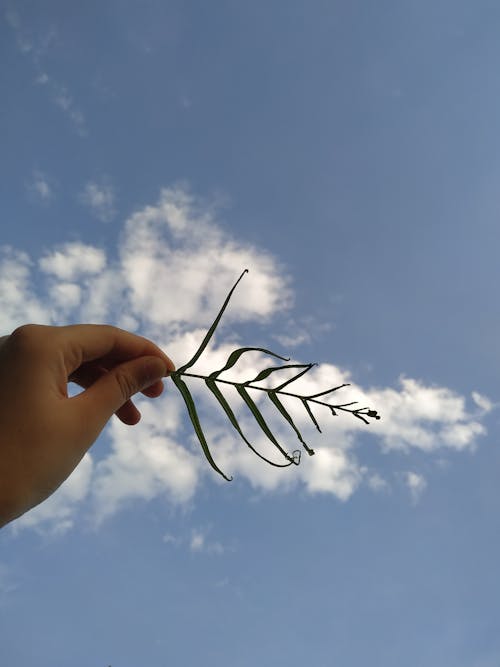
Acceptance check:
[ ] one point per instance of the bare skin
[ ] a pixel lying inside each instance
(44, 433)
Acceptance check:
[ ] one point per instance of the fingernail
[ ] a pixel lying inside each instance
(170, 366)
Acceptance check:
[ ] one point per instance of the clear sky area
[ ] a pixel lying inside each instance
(346, 153)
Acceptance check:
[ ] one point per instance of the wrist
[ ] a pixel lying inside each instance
(7, 512)
(10, 506)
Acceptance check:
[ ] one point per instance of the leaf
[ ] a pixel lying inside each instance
(310, 413)
(356, 414)
(267, 372)
(230, 414)
(234, 357)
(273, 397)
(329, 391)
(307, 367)
(188, 399)
(210, 332)
(260, 419)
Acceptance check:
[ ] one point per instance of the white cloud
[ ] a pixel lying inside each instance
(416, 484)
(377, 483)
(18, 302)
(146, 461)
(179, 264)
(174, 268)
(25, 42)
(40, 187)
(293, 340)
(100, 198)
(42, 79)
(65, 296)
(36, 44)
(168, 538)
(482, 402)
(199, 543)
(73, 261)
(333, 471)
(64, 101)
(299, 332)
(424, 417)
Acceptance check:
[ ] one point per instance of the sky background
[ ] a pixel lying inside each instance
(348, 155)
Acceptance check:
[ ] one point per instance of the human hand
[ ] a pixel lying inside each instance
(44, 433)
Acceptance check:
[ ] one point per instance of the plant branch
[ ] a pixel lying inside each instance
(211, 380)
(341, 406)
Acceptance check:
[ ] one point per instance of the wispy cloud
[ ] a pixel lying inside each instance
(64, 101)
(29, 42)
(197, 541)
(40, 187)
(416, 484)
(100, 198)
(35, 45)
(42, 79)
(175, 265)
(298, 331)
(377, 483)
(201, 544)
(8, 584)
(482, 402)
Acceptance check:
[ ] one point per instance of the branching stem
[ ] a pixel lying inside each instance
(211, 381)
(343, 406)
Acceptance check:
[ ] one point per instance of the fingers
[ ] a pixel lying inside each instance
(110, 363)
(113, 389)
(128, 414)
(109, 345)
(92, 350)
(154, 390)
(90, 372)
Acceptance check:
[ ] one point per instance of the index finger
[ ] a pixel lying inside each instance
(89, 342)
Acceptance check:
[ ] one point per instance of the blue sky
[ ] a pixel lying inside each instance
(347, 153)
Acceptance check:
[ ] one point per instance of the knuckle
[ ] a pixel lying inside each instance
(27, 336)
(24, 331)
(125, 383)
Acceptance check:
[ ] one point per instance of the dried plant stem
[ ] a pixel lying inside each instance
(242, 388)
(310, 399)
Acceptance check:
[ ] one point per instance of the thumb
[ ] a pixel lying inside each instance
(100, 401)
